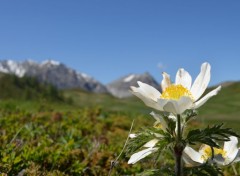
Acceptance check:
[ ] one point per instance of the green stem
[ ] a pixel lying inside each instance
(178, 149)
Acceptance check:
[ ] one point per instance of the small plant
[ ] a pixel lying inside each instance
(172, 134)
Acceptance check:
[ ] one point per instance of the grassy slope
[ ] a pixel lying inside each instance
(225, 107)
(16, 92)
(106, 102)
(226, 103)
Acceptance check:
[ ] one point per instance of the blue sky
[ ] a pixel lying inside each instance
(110, 39)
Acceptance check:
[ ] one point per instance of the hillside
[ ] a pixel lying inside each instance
(105, 101)
(223, 108)
(26, 88)
(27, 93)
(225, 104)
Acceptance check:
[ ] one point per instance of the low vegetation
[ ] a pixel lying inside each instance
(48, 132)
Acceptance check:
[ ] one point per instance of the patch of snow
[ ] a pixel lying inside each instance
(51, 62)
(85, 75)
(4, 70)
(14, 67)
(31, 62)
(129, 78)
(20, 72)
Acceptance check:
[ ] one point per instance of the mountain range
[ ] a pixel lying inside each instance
(63, 77)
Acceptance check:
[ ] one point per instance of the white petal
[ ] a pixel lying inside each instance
(155, 116)
(192, 156)
(151, 143)
(149, 91)
(158, 135)
(176, 128)
(231, 148)
(159, 118)
(189, 162)
(132, 135)
(166, 82)
(178, 106)
(202, 149)
(140, 155)
(183, 78)
(148, 101)
(173, 117)
(231, 145)
(206, 97)
(237, 159)
(201, 82)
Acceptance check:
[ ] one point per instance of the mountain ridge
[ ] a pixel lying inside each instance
(121, 87)
(64, 77)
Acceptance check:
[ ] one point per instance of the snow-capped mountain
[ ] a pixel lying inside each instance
(53, 72)
(64, 77)
(120, 88)
(9, 66)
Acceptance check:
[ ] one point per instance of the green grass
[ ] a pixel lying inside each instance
(223, 108)
(106, 102)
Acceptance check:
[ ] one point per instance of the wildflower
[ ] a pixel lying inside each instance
(160, 122)
(178, 97)
(192, 158)
(225, 156)
(230, 152)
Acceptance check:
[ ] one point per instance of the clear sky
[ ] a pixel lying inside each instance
(108, 39)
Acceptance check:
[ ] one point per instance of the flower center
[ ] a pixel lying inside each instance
(175, 92)
(157, 125)
(207, 152)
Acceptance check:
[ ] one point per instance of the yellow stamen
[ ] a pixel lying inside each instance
(207, 152)
(175, 92)
(157, 125)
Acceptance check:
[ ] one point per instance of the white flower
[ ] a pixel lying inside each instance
(143, 153)
(230, 152)
(159, 121)
(178, 97)
(224, 156)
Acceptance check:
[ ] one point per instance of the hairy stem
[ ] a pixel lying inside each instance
(178, 149)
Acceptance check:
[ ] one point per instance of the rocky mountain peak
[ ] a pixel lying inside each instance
(52, 72)
(121, 87)
(63, 77)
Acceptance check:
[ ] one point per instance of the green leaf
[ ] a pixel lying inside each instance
(145, 136)
(189, 114)
(5, 159)
(17, 159)
(210, 135)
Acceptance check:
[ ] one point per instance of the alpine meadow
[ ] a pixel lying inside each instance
(119, 88)
(73, 131)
